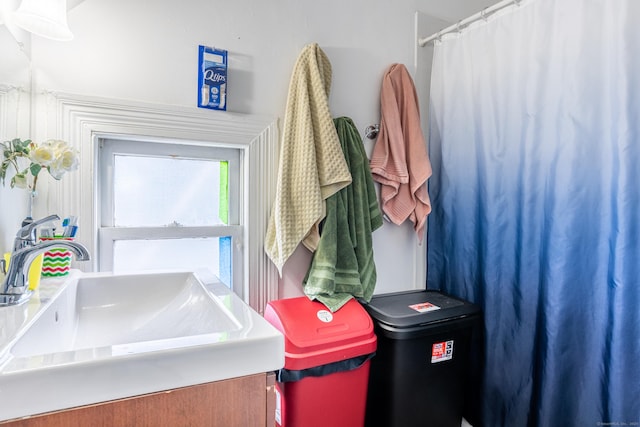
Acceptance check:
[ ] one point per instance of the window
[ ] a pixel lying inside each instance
(86, 121)
(169, 205)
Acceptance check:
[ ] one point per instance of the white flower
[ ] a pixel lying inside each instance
(66, 160)
(42, 155)
(69, 159)
(55, 170)
(56, 156)
(57, 146)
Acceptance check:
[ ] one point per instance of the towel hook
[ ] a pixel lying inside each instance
(372, 131)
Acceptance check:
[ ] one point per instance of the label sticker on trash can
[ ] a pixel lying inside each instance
(441, 351)
(424, 307)
(325, 316)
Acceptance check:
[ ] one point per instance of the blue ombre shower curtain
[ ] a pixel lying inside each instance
(535, 147)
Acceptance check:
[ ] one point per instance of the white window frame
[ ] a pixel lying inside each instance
(83, 121)
(109, 233)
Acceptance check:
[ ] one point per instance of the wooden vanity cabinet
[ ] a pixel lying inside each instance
(239, 402)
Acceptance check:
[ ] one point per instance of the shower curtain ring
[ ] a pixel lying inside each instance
(459, 27)
(483, 14)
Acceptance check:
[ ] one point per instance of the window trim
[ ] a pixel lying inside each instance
(109, 233)
(83, 120)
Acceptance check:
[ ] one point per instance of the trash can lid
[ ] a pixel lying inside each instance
(418, 308)
(314, 336)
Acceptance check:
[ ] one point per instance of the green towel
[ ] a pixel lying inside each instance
(343, 265)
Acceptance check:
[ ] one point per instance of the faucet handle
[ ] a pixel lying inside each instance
(26, 235)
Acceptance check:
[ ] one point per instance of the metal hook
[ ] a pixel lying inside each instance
(372, 131)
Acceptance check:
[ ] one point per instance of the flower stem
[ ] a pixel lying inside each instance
(35, 181)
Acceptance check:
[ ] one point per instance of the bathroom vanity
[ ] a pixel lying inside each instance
(245, 401)
(148, 349)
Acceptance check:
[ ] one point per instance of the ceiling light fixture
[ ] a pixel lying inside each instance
(45, 18)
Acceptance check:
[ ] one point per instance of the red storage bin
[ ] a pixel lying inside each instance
(326, 370)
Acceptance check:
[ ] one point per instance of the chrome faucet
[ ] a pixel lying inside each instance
(15, 287)
(26, 236)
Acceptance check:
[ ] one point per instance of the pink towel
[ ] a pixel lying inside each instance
(399, 161)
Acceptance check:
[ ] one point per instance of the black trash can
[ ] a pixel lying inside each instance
(419, 374)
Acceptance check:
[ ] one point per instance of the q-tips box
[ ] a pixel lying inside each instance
(212, 78)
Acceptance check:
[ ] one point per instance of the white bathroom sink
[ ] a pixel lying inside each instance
(104, 337)
(127, 312)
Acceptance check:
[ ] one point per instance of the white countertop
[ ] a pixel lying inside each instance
(16, 318)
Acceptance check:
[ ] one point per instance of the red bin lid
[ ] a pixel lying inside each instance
(313, 336)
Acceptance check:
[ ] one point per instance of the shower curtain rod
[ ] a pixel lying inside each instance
(484, 14)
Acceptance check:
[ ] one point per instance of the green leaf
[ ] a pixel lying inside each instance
(35, 169)
(20, 146)
(25, 148)
(3, 171)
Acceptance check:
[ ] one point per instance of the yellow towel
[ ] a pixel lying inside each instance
(312, 165)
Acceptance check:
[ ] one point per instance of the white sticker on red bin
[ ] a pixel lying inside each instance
(324, 316)
(441, 351)
(424, 307)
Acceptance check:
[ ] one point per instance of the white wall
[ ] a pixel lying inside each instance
(147, 51)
